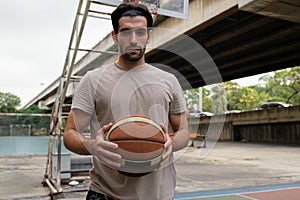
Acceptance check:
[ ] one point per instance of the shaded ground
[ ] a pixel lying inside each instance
(229, 166)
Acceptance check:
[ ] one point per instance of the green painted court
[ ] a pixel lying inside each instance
(276, 192)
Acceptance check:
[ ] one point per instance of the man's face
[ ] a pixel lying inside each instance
(132, 37)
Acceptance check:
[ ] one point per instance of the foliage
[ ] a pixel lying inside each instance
(37, 124)
(230, 88)
(192, 99)
(246, 98)
(283, 85)
(35, 121)
(219, 100)
(32, 109)
(207, 101)
(9, 102)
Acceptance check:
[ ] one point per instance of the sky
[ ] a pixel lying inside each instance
(34, 37)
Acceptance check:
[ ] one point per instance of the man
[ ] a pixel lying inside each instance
(127, 86)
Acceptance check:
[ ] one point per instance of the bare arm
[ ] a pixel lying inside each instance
(180, 130)
(180, 137)
(76, 142)
(73, 139)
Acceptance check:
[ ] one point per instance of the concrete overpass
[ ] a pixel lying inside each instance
(243, 38)
(276, 125)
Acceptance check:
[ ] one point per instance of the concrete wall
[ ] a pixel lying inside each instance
(286, 10)
(280, 126)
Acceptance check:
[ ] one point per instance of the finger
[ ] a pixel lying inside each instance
(167, 153)
(163, 127)
(168, 142)
(166, 156)
(105, 153)
(100, 137)
(164, 161)
(112, 156)
(104, 129)
(113, 164)
(107, 149)
(168, 147)
(107, 144)
(104, 149)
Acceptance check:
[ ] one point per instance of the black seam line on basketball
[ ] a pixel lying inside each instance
(113, 128)
(141, 119)
(140, 139)
(138, 119)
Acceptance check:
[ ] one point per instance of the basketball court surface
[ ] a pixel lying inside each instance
(276, 192)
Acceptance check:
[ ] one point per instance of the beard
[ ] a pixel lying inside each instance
(133, 53)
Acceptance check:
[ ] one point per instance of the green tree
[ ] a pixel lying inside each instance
(247, 98)
(207, 100)
(230, 88)
(9, 102)
(284, 85)
(244, 98)
(191, 98)
(35, 121)
(33, 109)
(219, 101)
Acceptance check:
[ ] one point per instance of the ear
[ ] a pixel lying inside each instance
(149, 36)
(114, 36)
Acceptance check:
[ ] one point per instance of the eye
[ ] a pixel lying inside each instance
(125, 33)
(140, 32)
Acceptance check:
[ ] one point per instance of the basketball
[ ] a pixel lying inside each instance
(141, 144)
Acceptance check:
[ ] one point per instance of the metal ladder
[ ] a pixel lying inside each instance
(83, 12)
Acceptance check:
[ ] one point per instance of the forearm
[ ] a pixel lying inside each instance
(76, 142)
(180, 139)
(73, 139)
(180, 130)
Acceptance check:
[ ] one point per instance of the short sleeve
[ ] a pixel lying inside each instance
(84, 96)
(178, 104)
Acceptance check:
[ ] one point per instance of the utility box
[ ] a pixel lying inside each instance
(65, 165)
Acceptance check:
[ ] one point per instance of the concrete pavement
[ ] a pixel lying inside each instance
(230, 165)
(238, 165)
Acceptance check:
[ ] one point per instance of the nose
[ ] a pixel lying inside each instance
(133, 38)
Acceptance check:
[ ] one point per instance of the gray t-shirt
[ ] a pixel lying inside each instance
(110, 93)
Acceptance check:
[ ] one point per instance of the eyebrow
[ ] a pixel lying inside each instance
(127, 29)
(124, 29)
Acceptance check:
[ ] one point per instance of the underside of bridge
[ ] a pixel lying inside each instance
(240, 43)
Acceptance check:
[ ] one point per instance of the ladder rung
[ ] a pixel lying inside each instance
(101, 3)
(74, 171)
(74, 78)
(97, 17)
(99, 12)
(97, 51)
(67, 105)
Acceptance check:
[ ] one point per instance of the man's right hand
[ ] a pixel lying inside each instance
(104, 150)
(100, 148)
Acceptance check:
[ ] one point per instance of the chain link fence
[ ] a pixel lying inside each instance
(24, 125)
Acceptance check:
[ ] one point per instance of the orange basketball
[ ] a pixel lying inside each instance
(141, 143)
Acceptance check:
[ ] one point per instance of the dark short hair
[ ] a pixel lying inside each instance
(138, 10)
